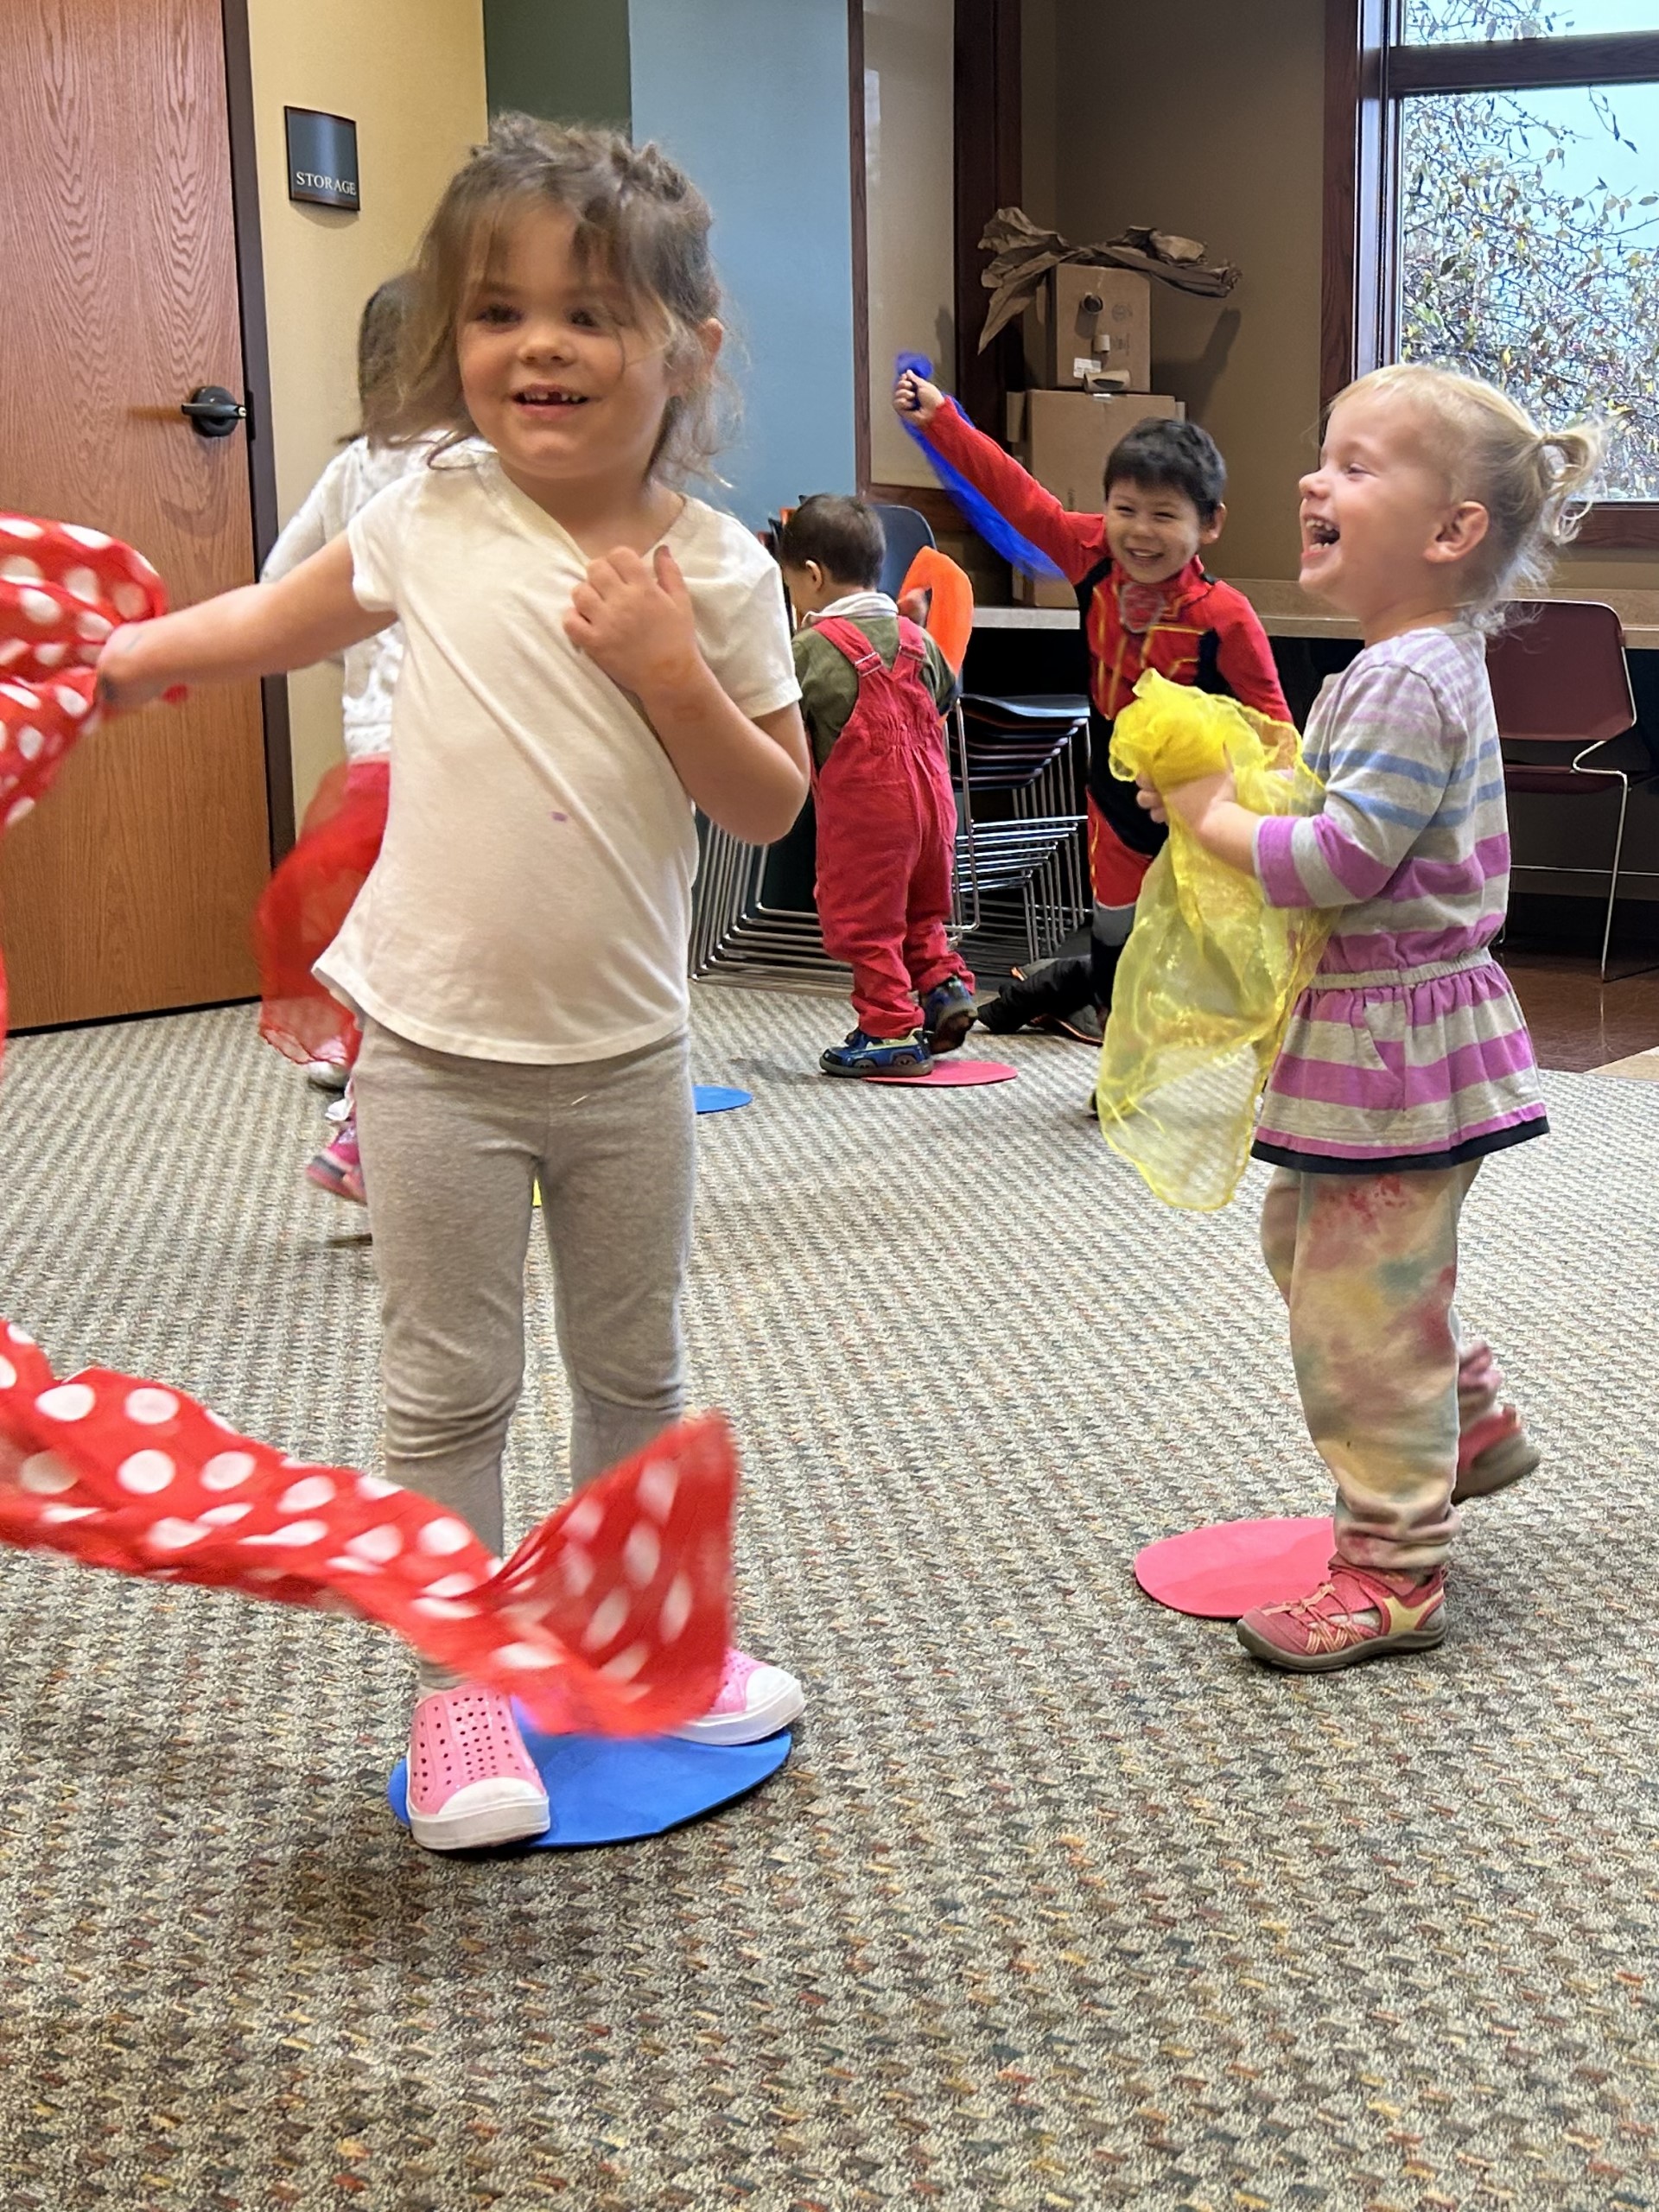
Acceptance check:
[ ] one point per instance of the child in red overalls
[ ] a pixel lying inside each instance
(874, 688)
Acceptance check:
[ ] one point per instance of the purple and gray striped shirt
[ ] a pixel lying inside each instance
(1413, 842)
(1408, 1049)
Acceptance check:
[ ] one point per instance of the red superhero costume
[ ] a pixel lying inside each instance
(886, 826)
(1191, 629)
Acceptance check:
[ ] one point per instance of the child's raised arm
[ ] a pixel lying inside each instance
(261, 630)
(1073, 542)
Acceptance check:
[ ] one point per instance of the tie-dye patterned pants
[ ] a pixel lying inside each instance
(1368, 1266)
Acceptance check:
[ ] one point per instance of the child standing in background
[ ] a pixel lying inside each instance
(1146, 602)
(588, 652)
(1407, 1061)
(874, 688)
(311, 892)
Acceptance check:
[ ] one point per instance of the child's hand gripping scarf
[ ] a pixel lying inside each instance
(611, 1617)
(1210, 974)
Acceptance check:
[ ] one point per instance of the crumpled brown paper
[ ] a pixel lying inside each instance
(1023, 255)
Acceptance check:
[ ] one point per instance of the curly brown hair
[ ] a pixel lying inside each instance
(638, 218)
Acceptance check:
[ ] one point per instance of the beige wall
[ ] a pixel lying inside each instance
(411, 72)
(1226, 148)
(910, 157)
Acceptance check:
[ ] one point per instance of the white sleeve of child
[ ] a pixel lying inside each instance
(378, 534)
(750, 651)
(318, 519)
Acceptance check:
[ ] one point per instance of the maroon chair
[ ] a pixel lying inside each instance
(1560, 684)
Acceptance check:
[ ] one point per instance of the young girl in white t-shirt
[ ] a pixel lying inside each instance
(588, 653)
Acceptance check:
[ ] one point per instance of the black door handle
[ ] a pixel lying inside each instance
(212, 412)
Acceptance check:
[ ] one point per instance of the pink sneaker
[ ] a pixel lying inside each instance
(1358, 1613)
(339, 1167)
(470, 1782)
(1494, 1453)
(755, 1701)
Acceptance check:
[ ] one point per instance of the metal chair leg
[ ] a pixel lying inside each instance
(1623, 781)
(960, 730)
(1612, 887)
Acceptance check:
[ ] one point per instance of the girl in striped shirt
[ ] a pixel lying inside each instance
(1407, 1061)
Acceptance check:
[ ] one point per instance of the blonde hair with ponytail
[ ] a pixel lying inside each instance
(1535, 484)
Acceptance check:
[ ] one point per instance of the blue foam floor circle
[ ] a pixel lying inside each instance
(719, 1098)
(604, 1790)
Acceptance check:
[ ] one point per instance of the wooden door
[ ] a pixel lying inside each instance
(131, 888)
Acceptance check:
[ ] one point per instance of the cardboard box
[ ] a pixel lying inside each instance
(1043, 591)
(1063, 438)
(1086, 319)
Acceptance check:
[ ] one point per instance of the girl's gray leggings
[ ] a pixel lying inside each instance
(452, 1149)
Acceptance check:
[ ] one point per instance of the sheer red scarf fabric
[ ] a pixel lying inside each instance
(305, 904)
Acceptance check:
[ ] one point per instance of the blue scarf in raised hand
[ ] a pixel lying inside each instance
(995, 529)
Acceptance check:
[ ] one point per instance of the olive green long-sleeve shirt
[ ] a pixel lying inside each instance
(828, 681)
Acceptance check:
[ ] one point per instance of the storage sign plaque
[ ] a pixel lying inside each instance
(322, 158)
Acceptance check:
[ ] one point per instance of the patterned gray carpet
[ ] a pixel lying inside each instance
(1062, 1902)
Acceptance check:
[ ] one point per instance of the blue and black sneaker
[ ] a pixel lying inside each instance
(867, 1056)
(947, 1015)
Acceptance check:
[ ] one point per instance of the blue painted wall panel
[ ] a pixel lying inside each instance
(750, 98)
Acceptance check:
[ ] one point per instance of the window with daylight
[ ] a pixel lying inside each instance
(1493, 205)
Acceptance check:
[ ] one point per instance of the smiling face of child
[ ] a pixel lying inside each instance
(558, 368)
(1381, 530)
(1153, 530)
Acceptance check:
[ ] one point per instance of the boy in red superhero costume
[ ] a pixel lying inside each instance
(1146, 602)
(874, 688)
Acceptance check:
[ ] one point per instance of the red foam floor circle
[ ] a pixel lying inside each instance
(1221, 1572)
(953, 1075)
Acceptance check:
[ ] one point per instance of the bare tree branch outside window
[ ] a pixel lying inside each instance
(1529, 239)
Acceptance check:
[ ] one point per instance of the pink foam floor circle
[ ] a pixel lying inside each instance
(1220, 1572)
(953, 1075)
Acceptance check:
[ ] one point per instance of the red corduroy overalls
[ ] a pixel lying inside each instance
(886, 820)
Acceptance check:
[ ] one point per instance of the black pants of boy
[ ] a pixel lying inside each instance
(1057, 988)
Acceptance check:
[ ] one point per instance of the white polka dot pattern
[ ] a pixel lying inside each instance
(59, 601)
(611, 1617)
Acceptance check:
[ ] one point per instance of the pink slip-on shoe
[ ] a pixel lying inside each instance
(1359, 1613)
(339, 1167)
(755, 1701)
(470, 1782)
(1493, 1447)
